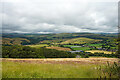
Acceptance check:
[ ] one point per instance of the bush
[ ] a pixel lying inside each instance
(111, 70)
(85, 56)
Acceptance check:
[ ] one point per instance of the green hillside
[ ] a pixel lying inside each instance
(80, 40)
(58, 38)
(14, 41)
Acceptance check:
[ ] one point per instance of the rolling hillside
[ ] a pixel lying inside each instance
(14, 41)
(64, 38)
(80, 40)
(56, 41)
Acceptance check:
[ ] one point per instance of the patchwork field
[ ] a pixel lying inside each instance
(100, 51)
(59, 48)
(62, 68)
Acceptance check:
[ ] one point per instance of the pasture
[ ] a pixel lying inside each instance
(14, 41)
(54, 68)
(69, 45)
(38, 45)
(95, 45)
(59, 48)
(80, 40)
(55, 41)
(100, 51)
(81, 48)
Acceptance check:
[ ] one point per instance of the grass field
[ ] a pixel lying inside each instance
(69, 45)
(56, 41)
(80, 41)
(100, 51)
(39, 45)
(14, 41)
(53, 68)
(96, 45)
(81, 48)
(59, 48)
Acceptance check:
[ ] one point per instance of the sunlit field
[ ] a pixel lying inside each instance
(100, 51)
(59, 48)
(38, 46)
(53, 68)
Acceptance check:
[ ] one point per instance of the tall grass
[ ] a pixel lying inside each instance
(111, 70)
(51, 70)
(35, 70)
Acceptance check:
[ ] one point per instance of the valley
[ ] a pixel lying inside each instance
(73, 55)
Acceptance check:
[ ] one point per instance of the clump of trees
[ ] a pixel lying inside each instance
(29, 52)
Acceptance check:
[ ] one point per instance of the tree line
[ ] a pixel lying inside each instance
(29, 52)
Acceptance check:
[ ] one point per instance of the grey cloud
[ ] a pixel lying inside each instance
(59, 16)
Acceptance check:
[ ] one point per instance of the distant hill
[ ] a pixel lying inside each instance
(25, 39)
(14, 41)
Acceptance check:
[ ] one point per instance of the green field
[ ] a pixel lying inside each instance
(38, 45)
(96, 45)
(81, 48)
(55, 41)
(80, 40)
(114, 47)
(33, 70)
(77, 48)
(14, 41)
(69, 45)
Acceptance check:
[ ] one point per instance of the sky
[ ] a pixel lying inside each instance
(59, 16)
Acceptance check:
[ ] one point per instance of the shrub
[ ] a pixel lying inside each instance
(111, 70)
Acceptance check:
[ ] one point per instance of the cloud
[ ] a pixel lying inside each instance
(57, 16)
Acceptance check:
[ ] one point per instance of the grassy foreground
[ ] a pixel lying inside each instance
(59, 68)
(33, 70)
